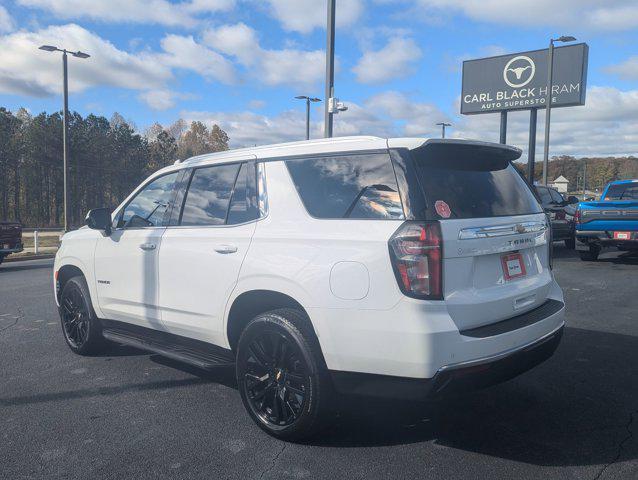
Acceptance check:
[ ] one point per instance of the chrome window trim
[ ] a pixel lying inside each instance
(502, 230)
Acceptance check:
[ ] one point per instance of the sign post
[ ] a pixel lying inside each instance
(519, 82)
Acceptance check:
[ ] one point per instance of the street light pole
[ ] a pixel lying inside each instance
(65, 122)
(548, 99)
(65, 141)
(330, 68)
(308, 100)
(443, 125)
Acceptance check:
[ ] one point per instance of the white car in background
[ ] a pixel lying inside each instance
(395, 267)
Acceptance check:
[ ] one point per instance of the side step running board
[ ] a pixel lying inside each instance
(199, 358)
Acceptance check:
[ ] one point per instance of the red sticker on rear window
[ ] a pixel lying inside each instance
(442, 208)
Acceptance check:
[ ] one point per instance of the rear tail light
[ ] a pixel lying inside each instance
(577, 216)
(416, 254)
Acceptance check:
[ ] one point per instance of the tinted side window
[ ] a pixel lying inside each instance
(546, 198)
(243, 206)
(148, 207)
(349, 186)
(208, 195)
(556, 196)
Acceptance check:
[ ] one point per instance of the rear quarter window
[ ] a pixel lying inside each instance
(361, 186)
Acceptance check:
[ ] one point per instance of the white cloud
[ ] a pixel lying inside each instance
(6, 22)
(387, 114)
(305, 15)
(163, 99)
(594, 14)
(26, 70)
(627, 70)
(392, 61)
(161, 12)
(606, 125)
(184, 52)
(272, 67)
(249, 128)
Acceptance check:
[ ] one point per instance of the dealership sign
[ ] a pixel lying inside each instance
(519, 81)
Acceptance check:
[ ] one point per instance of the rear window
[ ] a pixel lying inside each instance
(359, 186)
(622, 191)
(473, 185)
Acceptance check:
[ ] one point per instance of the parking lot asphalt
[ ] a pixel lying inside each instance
(129, 414)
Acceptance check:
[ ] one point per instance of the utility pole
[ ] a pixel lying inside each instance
(330, 68)
(584, 178)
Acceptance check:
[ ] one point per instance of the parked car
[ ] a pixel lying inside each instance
(561, 214)
(610, 222)
(403, 268)
(10, 238)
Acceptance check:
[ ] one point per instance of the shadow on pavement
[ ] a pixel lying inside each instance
(575, 409)
(11, 267)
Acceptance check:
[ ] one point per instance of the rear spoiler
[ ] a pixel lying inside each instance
(468, 154)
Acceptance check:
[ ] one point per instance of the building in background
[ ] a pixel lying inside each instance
(561, 184)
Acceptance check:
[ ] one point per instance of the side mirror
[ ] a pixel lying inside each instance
(99, 219)
(571, 200)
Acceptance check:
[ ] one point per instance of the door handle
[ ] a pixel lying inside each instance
(225, 249)
(147, 246)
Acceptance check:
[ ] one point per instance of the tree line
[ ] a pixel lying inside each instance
(107, 160)
(590, 173)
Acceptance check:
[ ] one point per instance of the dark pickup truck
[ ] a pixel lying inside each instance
(610, 222)
(10, 238)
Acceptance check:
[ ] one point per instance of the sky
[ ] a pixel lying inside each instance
(240, 63)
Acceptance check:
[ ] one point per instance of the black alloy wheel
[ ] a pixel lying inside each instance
(281, 375)
(276, 379)
(75, 316)
(81, 328)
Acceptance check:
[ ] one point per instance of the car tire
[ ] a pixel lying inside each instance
(282, 377)
(590, 255)
(570, 243)
(80, 326)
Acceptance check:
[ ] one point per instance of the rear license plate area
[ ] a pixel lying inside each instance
(513, 266)
(622, 235)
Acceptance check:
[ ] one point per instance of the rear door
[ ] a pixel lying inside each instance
(203, 251)
(495, 234)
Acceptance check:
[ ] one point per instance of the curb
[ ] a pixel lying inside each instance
(12, 258)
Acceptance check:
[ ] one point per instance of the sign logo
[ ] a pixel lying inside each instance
(519, 71)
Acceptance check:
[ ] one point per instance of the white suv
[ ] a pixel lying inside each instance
(393, 267)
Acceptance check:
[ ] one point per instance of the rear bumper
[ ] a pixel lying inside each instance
(15, 249)
(603, 239)
(470, 375)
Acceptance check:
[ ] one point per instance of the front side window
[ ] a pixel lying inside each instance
(149, 206)
(350, 186)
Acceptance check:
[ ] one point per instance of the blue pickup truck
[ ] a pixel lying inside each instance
(610, 222)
